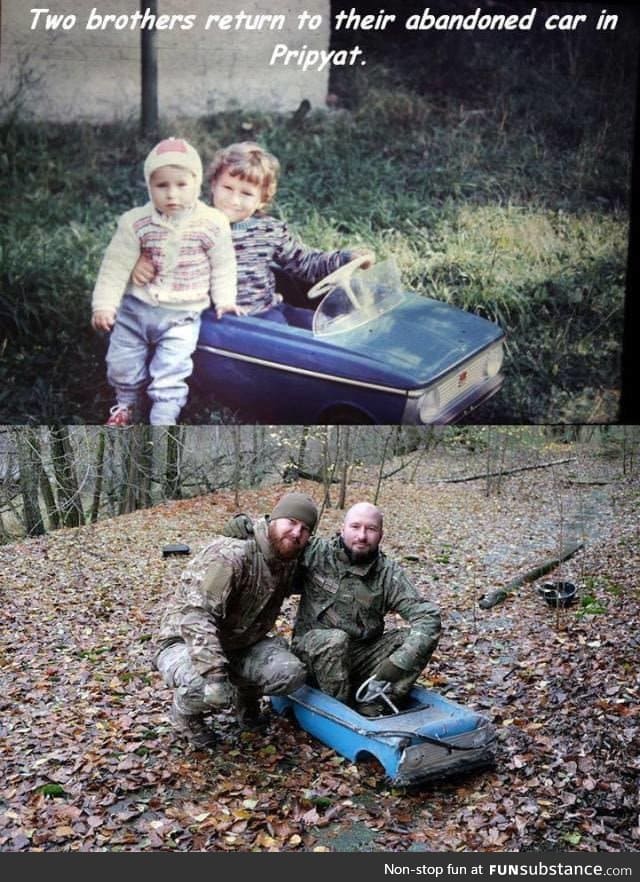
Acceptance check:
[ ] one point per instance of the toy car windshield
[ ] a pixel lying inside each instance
(353, 299)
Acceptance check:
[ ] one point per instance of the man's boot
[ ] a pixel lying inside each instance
(193, 728)
(248, 712)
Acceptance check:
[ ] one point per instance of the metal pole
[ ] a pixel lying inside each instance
(149, 72)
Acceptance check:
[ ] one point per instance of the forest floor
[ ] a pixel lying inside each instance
(90, 763)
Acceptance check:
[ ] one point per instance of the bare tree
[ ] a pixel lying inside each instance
(69, 498)
(173, 466)
(138, 463)
(390, 434)
(30, 464)
(99, 476)
(237, 463)
(346, 464)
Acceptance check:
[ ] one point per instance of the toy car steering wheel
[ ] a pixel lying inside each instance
(373, 689)
(337, 277)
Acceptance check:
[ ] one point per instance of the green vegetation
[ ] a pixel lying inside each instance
(497, 175)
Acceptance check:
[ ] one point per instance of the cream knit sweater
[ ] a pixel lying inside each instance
(193, 255)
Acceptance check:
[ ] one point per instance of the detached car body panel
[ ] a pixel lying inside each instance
(432, 739)
(372, 361)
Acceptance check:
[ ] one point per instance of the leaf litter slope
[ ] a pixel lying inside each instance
(90, 763)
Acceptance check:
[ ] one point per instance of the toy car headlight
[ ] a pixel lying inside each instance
(429, 405)
(493, 361)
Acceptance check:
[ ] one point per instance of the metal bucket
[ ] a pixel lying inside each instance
(558, 593)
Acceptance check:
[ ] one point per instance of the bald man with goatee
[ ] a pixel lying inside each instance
(348, 585)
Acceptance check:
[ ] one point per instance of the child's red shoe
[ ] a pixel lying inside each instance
(120, 415)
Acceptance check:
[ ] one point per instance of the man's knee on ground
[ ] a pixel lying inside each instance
(291, 677)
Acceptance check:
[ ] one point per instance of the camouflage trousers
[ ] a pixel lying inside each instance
(266, 668)
(339, 664)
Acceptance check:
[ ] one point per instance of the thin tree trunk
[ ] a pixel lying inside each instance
(48, 496)
(489, 473)
(173, 467)
(503, 453)
(326, 476)
(97, 489)
(69, 501)
(346, 455)
(27, 443)
(382, 464)
(138, 451)
(146, 465)
(302, 449)
(237, 455)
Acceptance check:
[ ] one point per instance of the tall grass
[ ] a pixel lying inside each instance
(498, 184)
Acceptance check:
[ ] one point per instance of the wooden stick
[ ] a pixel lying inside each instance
(542, 465)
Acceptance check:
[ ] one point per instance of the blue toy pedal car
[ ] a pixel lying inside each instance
(432, 738)
(376, 354)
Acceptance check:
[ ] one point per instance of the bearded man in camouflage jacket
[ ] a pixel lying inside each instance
(212, 647)
(347, 587)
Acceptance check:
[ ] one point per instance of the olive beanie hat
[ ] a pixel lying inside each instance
(298, 506)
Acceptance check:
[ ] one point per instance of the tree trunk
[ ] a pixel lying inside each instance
(97, 488)
(27, 444)
(326, 471)
(69, 501)
(346, 455)
(138, 452)
(173, 466)
(237, 465)
(46, 491)
(302, 449)
(146, 465)
(383, 459)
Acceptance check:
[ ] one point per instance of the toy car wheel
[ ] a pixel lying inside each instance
(369, 764)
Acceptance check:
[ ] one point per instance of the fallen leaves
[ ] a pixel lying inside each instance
(91, 762)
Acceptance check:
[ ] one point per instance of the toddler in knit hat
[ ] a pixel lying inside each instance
(154, 325)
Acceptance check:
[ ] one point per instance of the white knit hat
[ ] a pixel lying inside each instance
(174, 151)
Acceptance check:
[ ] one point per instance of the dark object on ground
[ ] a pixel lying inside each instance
(177, 548)
(558, 593)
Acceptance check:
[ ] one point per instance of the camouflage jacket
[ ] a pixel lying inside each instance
(228, 598)
(336, 593)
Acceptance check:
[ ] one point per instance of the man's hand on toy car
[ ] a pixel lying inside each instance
(372, 690)
(389, 672)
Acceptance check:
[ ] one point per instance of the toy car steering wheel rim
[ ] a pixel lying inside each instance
(337, 276)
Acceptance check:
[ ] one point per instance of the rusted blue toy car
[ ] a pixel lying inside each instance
(431, 738)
